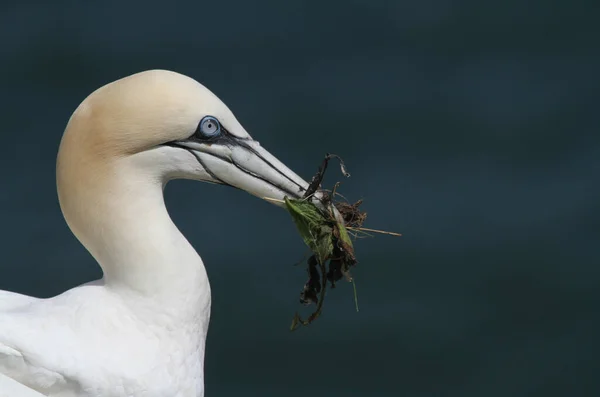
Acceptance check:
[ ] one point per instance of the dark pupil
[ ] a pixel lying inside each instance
(209, 125)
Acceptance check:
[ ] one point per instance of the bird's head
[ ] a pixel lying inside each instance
(171, 126)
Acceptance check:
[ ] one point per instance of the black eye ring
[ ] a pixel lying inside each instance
(209, 127)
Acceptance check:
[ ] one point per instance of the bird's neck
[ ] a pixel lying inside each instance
(118, 213)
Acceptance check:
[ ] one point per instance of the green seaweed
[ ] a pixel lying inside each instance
(313, 226)
(325, 230)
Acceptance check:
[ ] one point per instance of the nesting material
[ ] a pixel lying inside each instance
(326, 232)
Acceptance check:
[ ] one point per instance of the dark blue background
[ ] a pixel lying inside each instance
(471, 127)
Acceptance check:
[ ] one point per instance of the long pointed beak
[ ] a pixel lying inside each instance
(244, 164)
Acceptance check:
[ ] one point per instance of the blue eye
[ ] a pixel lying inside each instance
(209, 127)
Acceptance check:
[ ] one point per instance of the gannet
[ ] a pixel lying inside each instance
(141, 329)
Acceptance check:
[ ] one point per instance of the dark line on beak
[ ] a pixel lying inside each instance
(226, 138)
(212, 174)
(247, 147)
(291, 194)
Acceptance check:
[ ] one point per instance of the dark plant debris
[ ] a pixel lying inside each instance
(325, 232)
(316, 180)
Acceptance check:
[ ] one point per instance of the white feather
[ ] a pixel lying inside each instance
(141, 330)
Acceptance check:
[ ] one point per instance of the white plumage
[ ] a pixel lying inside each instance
(141, 329)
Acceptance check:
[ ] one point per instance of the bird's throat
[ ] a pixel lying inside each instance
(119, 215)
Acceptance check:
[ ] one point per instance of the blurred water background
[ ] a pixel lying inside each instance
(470, 127)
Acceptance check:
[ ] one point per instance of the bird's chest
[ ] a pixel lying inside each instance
(113, 350)
(142, 364)
(165, 380)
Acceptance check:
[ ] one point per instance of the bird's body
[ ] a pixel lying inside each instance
(140, 331)
(89, 341)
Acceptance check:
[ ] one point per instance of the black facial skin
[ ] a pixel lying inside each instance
(225, 138)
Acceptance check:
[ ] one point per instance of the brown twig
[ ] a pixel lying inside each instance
(316, 180)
